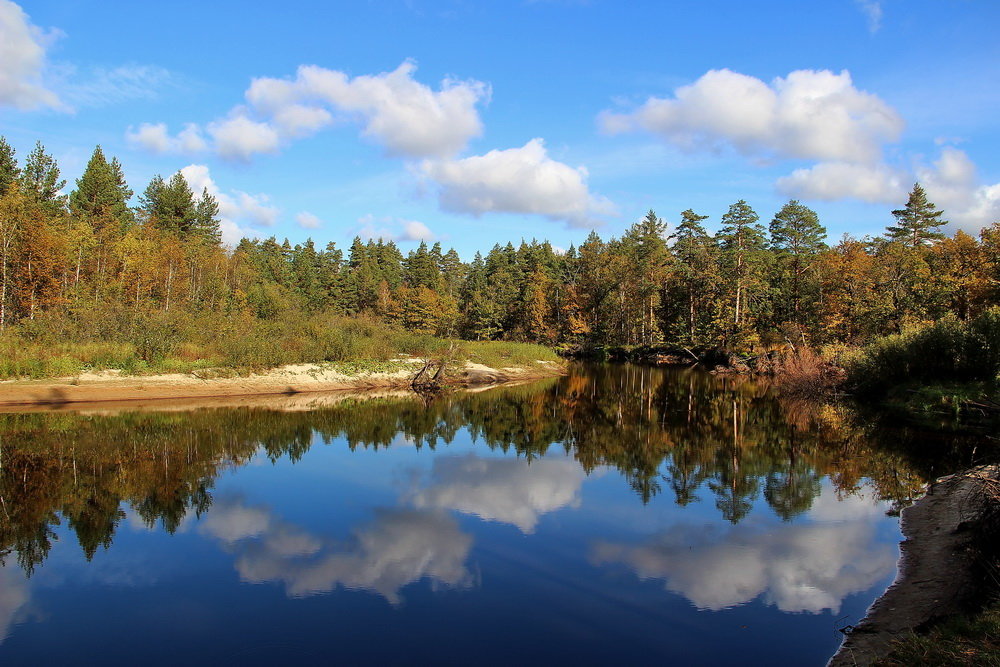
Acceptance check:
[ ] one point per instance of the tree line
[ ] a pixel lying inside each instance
(744, 286)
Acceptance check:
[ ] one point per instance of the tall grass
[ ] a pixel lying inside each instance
(68, 343)
(948, 350)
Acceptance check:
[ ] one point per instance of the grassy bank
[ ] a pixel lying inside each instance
(972, 639)
(63, 345)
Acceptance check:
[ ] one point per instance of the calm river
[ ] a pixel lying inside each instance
(620, 515)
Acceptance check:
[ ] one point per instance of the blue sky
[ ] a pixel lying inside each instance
(482, 122)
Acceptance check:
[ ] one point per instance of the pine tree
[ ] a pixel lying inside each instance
(796, 237)
(918, 223)
(170, 205)
(9, 172)
(205, 226)
(695, 274)
(742, 245)
(101, 195)
(40, 180)
(647, 255)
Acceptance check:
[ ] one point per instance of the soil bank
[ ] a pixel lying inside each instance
(286, 380)
(935, 576)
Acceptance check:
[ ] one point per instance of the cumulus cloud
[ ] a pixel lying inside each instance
(830, 181)
(389, 228)
(238, 211)
(517, 180)
(406, 117)
(14, 594)
(231, 521)
(307, 220)
(398, 547)
(239, 137)
(506, 490)
(804, 567)
(811, 114)
(155, 138)
(22, 61)
(953, 183)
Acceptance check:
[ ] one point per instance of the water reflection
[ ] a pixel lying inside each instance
(807, 567)
(690, 434)
(574, 502)
(395, 548)
(14, 596)
(510, 491)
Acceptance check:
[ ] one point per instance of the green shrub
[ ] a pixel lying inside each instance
(947, 350)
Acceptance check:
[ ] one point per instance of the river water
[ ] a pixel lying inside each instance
(617, 515)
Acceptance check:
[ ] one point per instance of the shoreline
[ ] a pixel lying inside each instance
(286, 380)
(934, 578)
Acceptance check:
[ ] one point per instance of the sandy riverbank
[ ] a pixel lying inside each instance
(286, 380)
(935, 576)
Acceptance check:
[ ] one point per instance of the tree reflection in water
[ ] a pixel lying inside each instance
(685, 432)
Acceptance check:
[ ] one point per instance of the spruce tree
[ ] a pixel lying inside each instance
(919, 222)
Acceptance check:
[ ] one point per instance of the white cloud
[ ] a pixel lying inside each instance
(299, 120)
(231, 521)
(516, 180)
(953, 184)
(800, 567)
(396, 548)
(872, 10)
(812, 114)
(238, 210)
(408, 118)
(22, 61)
(388, 228)
(239, 137)
(507, 490)
(414, 230)
(830, 181)
(14, 594)
(155, 138)
(404, 116)
(307, 220)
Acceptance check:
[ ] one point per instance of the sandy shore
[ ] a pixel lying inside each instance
(286, 380)
(935, 569)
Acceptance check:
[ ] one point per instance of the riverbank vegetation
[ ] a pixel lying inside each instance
(87, 280)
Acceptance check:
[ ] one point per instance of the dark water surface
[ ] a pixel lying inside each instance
(618, 515)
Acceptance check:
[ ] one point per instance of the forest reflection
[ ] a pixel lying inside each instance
(688, 434)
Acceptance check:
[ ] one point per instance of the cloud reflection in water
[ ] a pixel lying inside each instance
(801, 567)
(510, 491)
(395, 548)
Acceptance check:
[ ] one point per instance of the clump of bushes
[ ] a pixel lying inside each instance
(948, 350)
(804, 372)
